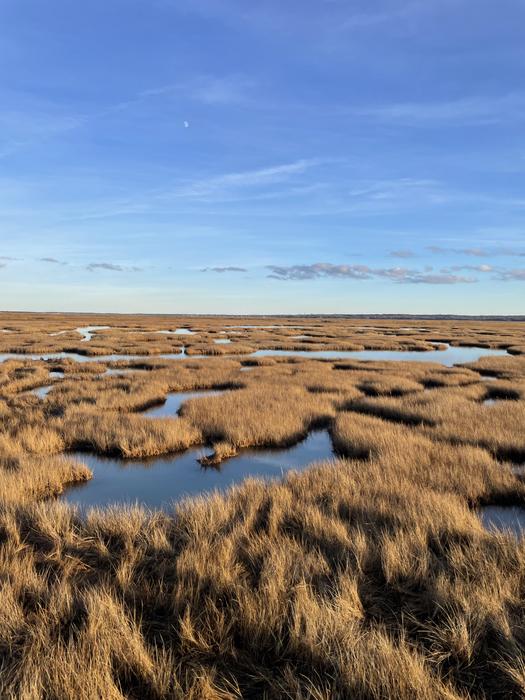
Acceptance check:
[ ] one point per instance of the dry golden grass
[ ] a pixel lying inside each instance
(37, 333)
(125, 435)
(454, 416)
(370, 576)
(376, 588)
(259, 416)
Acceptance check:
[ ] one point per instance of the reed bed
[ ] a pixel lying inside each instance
(146, 335)
(366, 576)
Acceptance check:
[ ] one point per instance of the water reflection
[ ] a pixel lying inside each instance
(158, 482)
(42, 391)
(87, 332)
(503, 518)
(448, 357)
(174, 401)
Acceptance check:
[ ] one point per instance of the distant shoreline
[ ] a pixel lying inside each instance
(386, 317)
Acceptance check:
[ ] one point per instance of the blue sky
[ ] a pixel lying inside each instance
(283, 157)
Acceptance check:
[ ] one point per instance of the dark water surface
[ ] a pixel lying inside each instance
(158, 482)
(503, 518)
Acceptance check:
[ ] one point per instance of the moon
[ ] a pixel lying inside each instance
(186, 124)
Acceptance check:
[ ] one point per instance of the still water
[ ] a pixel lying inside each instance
(158, 482)
(173, 403)
(503, 518)
(448, 357)
(87, 332)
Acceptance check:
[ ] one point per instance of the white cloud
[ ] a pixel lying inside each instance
(218, 185)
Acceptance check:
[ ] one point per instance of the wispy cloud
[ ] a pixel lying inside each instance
(406, 276)
(229, 268)
(361, 20)
(31, 121)
(221, 90)
(393, 189)
(475, 110)
(473, 268)
(438, 279)
(402, 254)
(111, 267)
(220, 185)
(511, 275)
(309, 272)
(399, 275)
(477, 252)
(53, 261)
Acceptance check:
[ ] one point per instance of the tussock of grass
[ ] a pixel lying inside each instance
(459, 469)
(17, 377)
(259, 417)
(26, 478)
(126, 435)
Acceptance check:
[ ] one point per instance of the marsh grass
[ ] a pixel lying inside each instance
(370, 576)
(378, 588)
(34, 333)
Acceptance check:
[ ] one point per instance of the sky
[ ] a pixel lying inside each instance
(226, 156)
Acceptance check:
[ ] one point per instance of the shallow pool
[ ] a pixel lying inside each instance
(448, 357)
(87, 332)
(451, 356)
(503, 518)
(158, 482)
(174, 401)
(42, 391)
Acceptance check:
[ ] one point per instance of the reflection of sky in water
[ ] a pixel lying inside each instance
(448, 357)
(174, 402)
(157, 482)
(502, 518)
